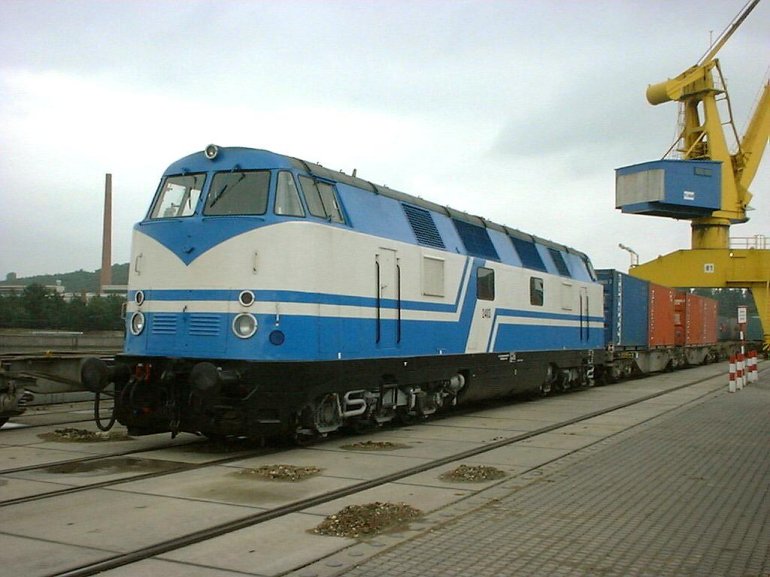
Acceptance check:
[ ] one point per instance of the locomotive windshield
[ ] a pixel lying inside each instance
(238, 193)
(178, 196)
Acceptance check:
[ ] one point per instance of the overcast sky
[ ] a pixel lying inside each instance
(518, 111)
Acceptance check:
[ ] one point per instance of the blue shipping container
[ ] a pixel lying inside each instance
(626, 309)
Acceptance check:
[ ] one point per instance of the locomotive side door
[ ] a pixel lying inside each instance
(480, 334)
(388, 299)
(585, 316)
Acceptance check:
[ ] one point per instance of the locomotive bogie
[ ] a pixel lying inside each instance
(311, 399)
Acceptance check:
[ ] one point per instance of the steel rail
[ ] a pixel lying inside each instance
(178, 468)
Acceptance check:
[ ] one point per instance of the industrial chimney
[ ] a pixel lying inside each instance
(106, 276)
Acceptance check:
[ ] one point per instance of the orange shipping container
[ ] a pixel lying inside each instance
(710, 321)
(695, 319)
(661, 322)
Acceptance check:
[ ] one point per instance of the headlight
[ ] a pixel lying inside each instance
(211, 152)
(246, 298)
(244, 325)
(137, 323)
(139, 297)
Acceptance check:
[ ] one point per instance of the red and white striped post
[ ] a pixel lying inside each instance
(742, 319)
(731, 387)
(753, 374)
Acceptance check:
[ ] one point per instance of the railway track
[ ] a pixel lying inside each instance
(187, 538)
(55, 414)
(120, 458)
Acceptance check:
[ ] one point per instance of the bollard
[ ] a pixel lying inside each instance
(739, 371)
(753, 374)
(731, 387)
(756, 366)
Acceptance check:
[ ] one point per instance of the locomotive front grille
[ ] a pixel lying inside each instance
(197, 324)
(204, 325)
(164, 324)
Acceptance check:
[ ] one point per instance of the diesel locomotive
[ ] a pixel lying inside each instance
(271, 296)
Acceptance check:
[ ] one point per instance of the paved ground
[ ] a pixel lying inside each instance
(683, 495)
(682, 492)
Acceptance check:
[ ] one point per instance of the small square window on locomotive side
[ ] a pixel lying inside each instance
(536, 291)
(485, 284)
(433, 276)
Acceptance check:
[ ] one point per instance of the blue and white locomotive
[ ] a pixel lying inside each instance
(273, 296)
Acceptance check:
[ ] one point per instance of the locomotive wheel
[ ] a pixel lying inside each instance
(550, 381)
(305, 438)
(360, 426)
(406, 418)
(214, 437)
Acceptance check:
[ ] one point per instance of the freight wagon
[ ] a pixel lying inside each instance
(651, 328)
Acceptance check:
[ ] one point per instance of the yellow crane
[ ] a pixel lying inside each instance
(708, 185)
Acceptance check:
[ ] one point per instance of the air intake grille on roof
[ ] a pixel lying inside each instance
(476, 240)
(423, 226)
(558, 260)
(528, 254)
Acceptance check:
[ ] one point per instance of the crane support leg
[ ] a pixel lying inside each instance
(762, 300)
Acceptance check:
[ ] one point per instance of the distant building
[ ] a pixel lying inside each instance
(17, 289)
(120, 290)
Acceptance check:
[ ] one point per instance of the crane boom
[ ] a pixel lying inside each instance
(755, 139)
(725, 36)
(697, 78)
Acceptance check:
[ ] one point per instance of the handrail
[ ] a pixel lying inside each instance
(756, 242)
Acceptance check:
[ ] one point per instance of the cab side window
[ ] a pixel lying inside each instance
(287, 201)
(321, 199)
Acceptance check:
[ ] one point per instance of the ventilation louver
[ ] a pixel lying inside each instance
(558, 260)
(476, 240)
(528, 254)
(423, 226)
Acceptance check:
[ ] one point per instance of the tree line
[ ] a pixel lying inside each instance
(729, 299)
(76, 282)
(35, 307)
